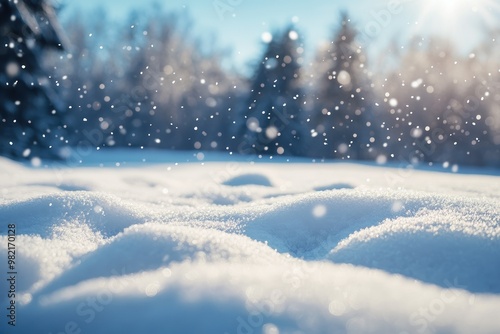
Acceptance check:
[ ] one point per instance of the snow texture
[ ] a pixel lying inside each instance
(237, 247)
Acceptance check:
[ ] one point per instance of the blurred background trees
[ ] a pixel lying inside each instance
(147, 82)
(30, 110)
(272, 119)
(440, 106)
(342, 96)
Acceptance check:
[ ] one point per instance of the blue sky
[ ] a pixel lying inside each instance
(239, 24)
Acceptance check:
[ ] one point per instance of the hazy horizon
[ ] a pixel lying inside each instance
(239, 27)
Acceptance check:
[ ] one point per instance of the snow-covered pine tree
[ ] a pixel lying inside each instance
(273, 121)
(29, 107)
(342, 91)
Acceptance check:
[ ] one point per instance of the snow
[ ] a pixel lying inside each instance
(237, 246)
(248, 179)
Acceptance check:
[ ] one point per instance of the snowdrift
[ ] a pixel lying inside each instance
(238, 247)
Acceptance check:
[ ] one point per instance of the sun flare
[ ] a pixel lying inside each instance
(453, 4)
(450, 14)
(448, 9)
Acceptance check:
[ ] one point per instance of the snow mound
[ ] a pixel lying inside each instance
(219, 248)
(436, 247)
(104, 213)
(161, 245)
(334, 187)
(198, 297)
(249, 179)
(311, 224)
(9, 166)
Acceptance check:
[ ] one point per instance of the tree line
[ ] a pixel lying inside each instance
(150, 83)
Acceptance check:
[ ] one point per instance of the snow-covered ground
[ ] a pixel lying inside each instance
(147, 243)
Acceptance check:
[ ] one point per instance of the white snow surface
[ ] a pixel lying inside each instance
(220, 246)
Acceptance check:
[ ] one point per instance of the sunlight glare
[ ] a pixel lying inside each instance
(449, 9)
(451, 14)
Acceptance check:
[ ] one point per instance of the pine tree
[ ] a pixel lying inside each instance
(29, 108)
(342, 92)
(273, 119)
